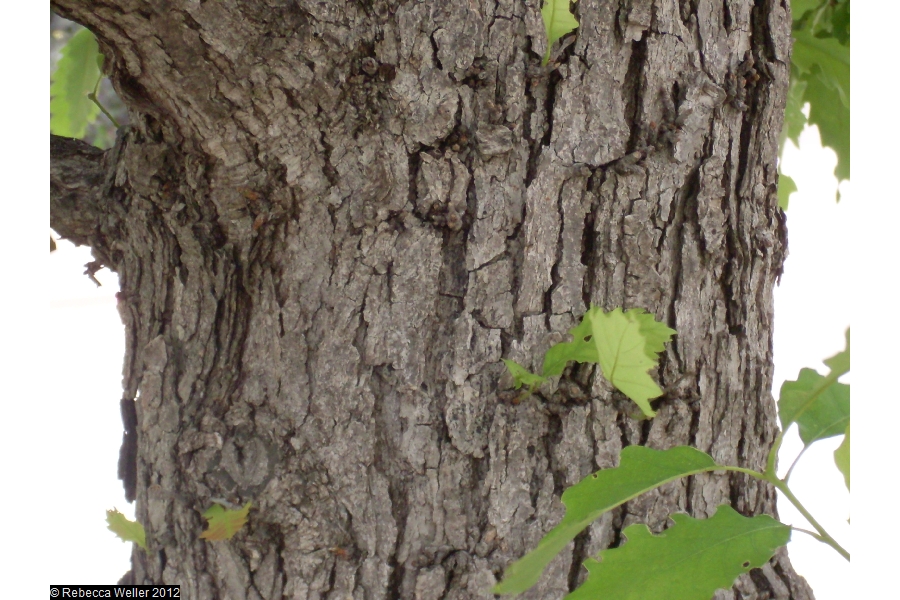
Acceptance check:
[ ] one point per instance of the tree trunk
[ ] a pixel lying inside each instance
(331, 220)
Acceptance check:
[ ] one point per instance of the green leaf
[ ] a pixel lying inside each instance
(625, 345)
(624, 356)
(580, 349)
(558, 21)
(833, 120)
(842, 457)
(655, 333)
(824, 63)
(128, 531)
(830, 56)
(640, 469)
(689, 561)
(819, 405)
(794, 119)
(76, 76)
(840, 22)
(800, 7)
(223, 523)
(521, 375)
(786, 187)
(840, 362)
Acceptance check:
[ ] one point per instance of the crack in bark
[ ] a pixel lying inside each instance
(635, 89)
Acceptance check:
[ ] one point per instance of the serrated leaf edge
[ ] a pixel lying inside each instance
(826, 382)
(557, 545)
(59, 96)
(643, 531)
(211, 513)
(141, 541)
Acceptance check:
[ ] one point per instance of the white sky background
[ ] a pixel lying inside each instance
(60, 428)
(86, 362)
(812, 310)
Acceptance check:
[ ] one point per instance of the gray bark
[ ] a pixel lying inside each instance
(330, 221)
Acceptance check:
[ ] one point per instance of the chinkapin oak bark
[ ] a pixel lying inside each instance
(331, 220)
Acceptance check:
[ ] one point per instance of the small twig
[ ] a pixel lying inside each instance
(826, 539)
(794, 464)
(810, 533)
(93, 98)
(782, 487)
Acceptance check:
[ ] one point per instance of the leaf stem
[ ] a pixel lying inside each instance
(793, 464)
(810, 533)
(749, 472)
(773, 454)
(826, 538)
(782, 486)
(814, 22)
(93, 97)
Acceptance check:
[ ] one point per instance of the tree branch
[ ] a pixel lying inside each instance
(76, 178)
(83, 206)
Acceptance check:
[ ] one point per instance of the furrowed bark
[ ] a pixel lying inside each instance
(79, 194)
(334, 219)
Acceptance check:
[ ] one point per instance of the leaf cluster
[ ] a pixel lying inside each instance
(625, 345)
(694, 557)
(820, 76)
(820, 406)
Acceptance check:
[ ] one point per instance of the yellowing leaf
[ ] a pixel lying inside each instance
(128, 531)
(558, 21)
(655, 333)
(224, 523)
